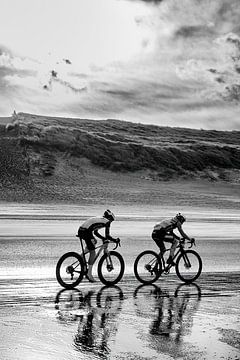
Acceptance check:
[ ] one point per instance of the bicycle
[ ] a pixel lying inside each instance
(149, 266)
(72, 267)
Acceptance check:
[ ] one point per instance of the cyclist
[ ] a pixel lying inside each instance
(89, 229)
(163, 232)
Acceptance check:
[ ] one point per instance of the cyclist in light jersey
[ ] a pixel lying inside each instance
(163, 231)
(89, 229)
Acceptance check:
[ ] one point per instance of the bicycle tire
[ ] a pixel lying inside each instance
(188, 272)
(64, 278)
(144, 275)
(110, 295)
(106, 276)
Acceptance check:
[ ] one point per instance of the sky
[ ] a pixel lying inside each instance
(168, 62)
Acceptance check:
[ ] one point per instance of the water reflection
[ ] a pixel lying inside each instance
(171, 314)
(96, 313)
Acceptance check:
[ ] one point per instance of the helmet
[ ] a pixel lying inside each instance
(109, 215)
(181, 218)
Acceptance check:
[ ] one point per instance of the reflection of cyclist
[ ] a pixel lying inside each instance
(98, 323)
(163, 231)
(89, 229)
(172, 313)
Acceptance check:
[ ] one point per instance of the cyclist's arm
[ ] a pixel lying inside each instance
(97, 234)
(175, 236)
(107, 234)
(183, 234)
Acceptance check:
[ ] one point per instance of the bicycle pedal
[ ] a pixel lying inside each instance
(167, 271)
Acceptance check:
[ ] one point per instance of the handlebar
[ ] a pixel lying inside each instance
(117, 241)
(191, 242)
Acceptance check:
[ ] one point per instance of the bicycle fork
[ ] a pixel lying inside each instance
(187, 263)
(108, 260)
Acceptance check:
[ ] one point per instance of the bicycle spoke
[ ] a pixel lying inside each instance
(69, 270)
(111, 268)
(189, 266)
(147, 267)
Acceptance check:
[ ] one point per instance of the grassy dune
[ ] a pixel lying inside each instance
(60, 159)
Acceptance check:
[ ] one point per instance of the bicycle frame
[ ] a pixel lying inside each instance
(102, 247)
(180, 248)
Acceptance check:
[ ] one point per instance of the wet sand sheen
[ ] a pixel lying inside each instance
(168, 319)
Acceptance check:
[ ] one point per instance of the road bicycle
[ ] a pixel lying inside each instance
(72, 267)
(72, 300)
(149, 265)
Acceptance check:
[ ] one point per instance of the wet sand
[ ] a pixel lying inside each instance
(167, 320)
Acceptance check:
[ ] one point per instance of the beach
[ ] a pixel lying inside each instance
(167, 320)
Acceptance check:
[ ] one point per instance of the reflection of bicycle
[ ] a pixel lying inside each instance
(72, 267)
(171, 314)
(149, 266)
(72, 300)
(110, 299)
(97, 318)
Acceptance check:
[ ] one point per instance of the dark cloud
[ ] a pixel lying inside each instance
(220, 80)
(214, 71)
(232, 93)
(194, 31)
(123, 94)
(79, 75)
(234, 41)
(10, 71)
(229, 11)
(227, 16)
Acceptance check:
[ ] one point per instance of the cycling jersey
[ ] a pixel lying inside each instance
(168, 225)
(90, 228)
(95, 223)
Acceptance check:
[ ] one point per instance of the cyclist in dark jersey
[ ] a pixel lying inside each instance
(163, 231)
(89, 229)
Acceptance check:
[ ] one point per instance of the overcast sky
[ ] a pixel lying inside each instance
(170, 62)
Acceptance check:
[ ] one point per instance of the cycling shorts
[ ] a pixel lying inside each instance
(88, 237)
(159, 236)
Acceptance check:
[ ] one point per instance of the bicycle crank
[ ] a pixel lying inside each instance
(70, 270)
(109, 267)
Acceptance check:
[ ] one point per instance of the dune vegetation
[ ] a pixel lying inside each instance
(38, 152)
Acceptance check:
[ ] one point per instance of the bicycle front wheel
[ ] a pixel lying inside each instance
(147, 267)
(189, 266)
(70, 270)
(111, 268)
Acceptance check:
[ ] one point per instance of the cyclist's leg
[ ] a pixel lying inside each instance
(82, 233)
(173, 247)
(171, 239)
(90, 244)
(158, 236)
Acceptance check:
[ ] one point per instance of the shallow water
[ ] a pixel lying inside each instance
(33, 237)
(168, 320)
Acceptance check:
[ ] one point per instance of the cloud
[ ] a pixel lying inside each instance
(168, 62)
(194, 31)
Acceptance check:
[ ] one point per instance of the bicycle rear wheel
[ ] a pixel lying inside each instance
(70, 270)
(111, 268)
(147, 267)
(189, 266)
